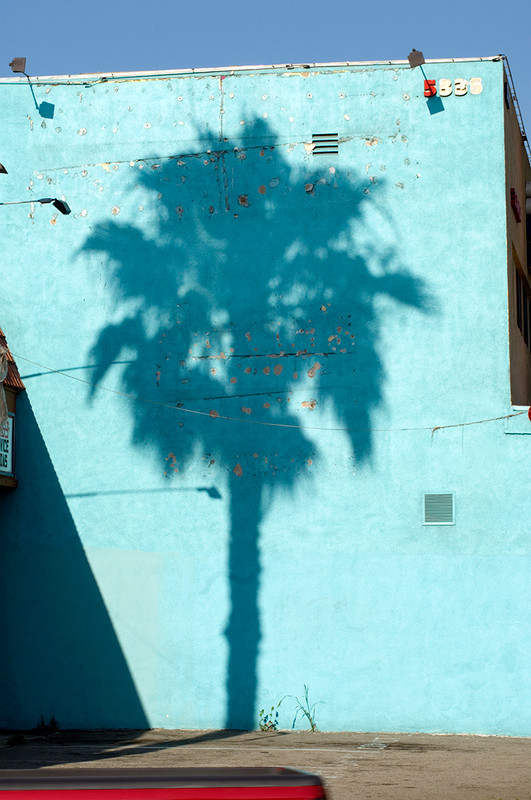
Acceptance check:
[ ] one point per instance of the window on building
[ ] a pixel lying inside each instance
(523, 308)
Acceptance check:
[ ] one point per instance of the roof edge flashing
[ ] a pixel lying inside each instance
(102, 76)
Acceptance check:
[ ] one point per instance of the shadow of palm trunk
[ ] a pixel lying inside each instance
(243, 629)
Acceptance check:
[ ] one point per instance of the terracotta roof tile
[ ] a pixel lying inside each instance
(13, 380)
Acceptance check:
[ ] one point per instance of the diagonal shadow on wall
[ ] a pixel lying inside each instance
(255, 283)
(60, 655)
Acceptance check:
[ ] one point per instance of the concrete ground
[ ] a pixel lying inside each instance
(393, 766)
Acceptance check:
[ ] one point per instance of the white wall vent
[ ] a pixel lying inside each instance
(439, 509)
(325, 144)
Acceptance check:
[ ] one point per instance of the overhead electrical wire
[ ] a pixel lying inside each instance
(216, 415)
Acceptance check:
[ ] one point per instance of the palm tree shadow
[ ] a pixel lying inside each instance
(254, 308)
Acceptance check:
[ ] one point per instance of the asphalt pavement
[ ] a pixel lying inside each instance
(391, 766)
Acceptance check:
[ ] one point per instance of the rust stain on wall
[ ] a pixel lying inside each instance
(173, 461)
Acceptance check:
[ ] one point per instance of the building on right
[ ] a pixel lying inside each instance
(518, 188)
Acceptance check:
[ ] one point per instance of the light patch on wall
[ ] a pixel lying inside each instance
(296, 248)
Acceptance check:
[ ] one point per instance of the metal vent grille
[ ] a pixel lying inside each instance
(439, 509)
(325, 144)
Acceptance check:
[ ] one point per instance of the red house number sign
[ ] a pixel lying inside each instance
(459, 87)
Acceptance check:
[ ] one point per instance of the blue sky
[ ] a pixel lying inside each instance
(59, 37)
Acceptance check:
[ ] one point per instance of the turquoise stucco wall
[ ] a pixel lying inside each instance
(220, 489)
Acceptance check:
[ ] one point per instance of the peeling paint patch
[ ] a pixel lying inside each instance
(234, 380)
(313, 370)
(262, 189)
(278, 369)
(266, 370)
(247, 410)
(238, 471)
(82, 132)
(243, 200)
(213, 413)
(309, 146)
(173, 461)
(106, 166)
(309, 188)
(309, 404)
(266, 405)
(115, 210)
(372, 142)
